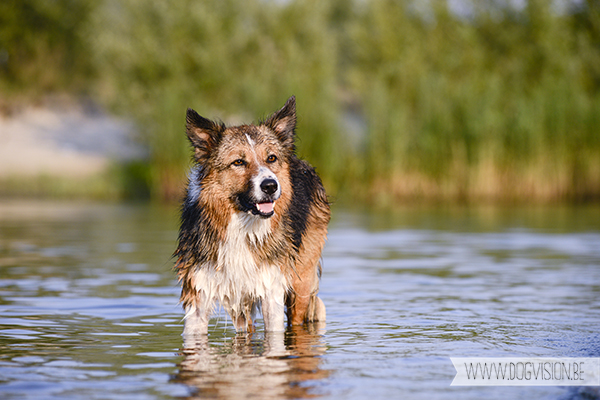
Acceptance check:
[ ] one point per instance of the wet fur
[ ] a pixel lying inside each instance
(231, 253)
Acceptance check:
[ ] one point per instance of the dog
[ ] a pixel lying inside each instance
(253, 226)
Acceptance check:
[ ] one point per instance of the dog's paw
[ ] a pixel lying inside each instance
(317, 311)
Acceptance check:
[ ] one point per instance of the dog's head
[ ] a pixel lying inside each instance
(246, 164)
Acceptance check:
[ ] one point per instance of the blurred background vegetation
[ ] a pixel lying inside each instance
(397, 99)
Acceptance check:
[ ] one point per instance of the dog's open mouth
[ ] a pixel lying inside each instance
(265, 209)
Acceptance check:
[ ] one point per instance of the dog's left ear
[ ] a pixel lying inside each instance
(283, 122)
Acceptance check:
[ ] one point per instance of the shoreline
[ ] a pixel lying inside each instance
(64, 141)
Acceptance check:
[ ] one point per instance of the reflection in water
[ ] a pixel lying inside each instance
(275, 365)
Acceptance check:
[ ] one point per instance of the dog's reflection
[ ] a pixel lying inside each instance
(278, 365)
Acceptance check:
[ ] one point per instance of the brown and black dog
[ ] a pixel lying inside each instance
(253, 225)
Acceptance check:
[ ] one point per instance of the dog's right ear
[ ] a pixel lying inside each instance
(204, 134)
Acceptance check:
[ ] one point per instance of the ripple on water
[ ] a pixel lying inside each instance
(88, 307)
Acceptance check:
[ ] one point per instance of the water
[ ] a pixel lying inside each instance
(88, 306)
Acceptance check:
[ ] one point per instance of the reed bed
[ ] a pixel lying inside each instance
(485, 101)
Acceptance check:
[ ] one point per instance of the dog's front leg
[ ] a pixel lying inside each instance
(196, 321)
(273, 311)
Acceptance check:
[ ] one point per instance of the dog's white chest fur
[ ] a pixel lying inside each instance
(239, 277)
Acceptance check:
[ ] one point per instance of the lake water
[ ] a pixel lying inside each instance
(89, 306)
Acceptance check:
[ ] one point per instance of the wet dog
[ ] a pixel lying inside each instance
(253, 225)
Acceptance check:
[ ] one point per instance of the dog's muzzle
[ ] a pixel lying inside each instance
(268, 187)
(260, 199)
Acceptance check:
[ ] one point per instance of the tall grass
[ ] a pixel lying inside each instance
(499, 105)
(42, 48)
(226, 59)
(486, 102)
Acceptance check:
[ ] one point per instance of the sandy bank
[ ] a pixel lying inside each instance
(65, 141)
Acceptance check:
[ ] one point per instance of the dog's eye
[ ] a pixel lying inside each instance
(239, 162)
(271, 159)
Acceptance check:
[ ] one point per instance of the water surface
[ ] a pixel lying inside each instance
(88, 306)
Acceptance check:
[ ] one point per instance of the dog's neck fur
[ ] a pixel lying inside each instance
(256, 229)
(243, 229)
(194, 187)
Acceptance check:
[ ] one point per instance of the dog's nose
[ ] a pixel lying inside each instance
(269, 186)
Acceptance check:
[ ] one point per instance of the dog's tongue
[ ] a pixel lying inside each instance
(265, 208)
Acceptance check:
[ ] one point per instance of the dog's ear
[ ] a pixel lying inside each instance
(204, 134)
(283, 122)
